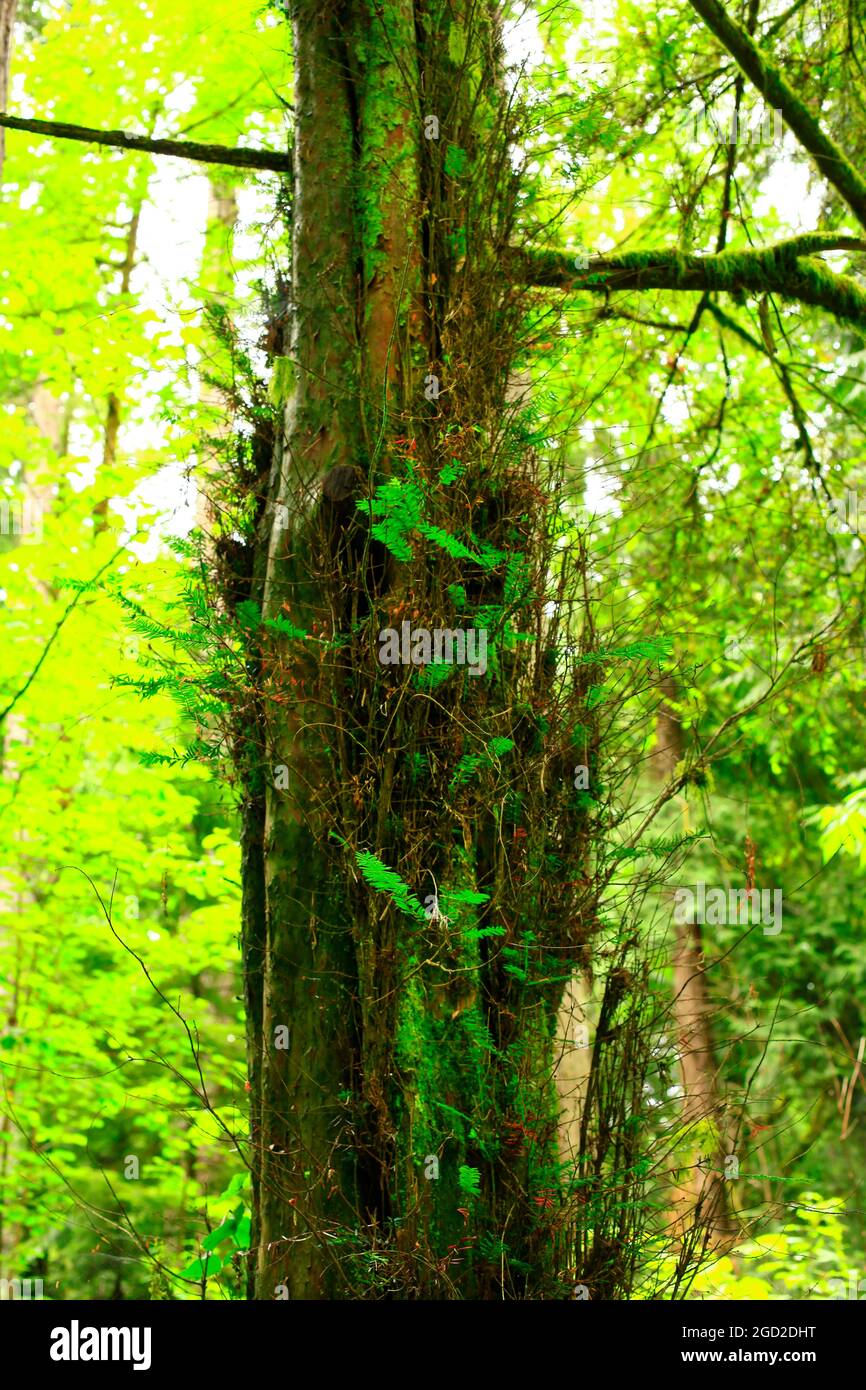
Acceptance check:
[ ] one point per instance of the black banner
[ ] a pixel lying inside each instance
(84, 1342)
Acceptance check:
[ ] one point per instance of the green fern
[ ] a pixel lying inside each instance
(385, 880)
(450, 544)
(429, 677)
(196, 752)
(469, 1181)
(285, 628)
(647, 649)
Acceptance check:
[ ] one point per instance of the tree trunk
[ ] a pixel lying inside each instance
(7, 21)
(702, 1202)
(404, 1108)
(111, 429)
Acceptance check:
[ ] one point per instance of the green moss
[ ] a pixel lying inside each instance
(387, 164)
(789, 270)
(779, 96)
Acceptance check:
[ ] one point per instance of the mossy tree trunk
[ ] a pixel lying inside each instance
(404, 1105)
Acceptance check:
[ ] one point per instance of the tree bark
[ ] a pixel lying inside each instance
(111, 429)
(702, 1200)
(7, 21)
(405, 1140)
(308, 977)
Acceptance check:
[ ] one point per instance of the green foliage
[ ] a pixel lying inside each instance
(402, 506)
(843, 827)
(808, 1257)
(469, 1180)
(385, 880)
(97, 1069)
(667, 483)
(233, 1233)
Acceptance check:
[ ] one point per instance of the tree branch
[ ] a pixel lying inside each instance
(778, 95)
(176, 149)
(787, 269)
(58, 628)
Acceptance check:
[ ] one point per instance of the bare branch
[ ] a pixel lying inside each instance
(176, 149)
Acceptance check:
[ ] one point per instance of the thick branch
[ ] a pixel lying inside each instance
(787, 269)
(177, 149)
(778, 95)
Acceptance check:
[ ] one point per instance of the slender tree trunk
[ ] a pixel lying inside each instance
(573, 1065)
(7, 21)
(111, 429)
(112, 414)
(218, 284)
(703, 1200)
